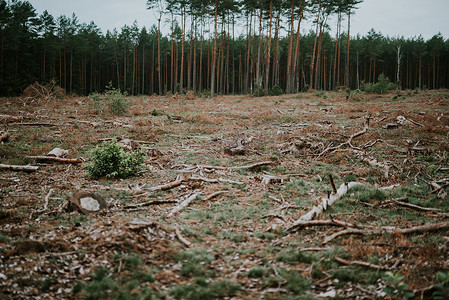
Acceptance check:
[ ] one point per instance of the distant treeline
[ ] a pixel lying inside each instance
(203, 54)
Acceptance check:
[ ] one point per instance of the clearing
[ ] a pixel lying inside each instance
(250, 167)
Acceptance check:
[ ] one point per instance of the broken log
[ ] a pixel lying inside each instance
(57, 159)
(86, 202)
(325, 202)
(183, 204)
(26, 168)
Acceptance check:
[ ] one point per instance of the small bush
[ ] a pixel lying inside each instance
(276, 91)
(111, 160)
(116, 102)
(258, 91)
(382, 86)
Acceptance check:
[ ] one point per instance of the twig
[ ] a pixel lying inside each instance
(183, 204)
(359, 263)
(405, 204)
(210, 196)
(47, 199)
(26, 168)
(334, 189)
(392, 230)
(148, 203)
(322, 223)
(181, 238)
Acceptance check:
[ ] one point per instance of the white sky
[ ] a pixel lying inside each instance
(407, 18)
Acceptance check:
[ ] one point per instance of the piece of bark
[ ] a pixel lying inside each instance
(325, 202)
(239, 150)
(57, 159)
(26, 168)
(183, 204)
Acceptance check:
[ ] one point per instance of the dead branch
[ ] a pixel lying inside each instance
(405, 204)
(26, 168)
(148, 203)
(183, 204)
(213, 180)
(334, 189)
(313, 249)
(181, 238)
(57, 159)
(251, 166)
(348, 142)
(322, 223)
(215, 194)
(47, 199)
(392, 230)
(35, 124)
(359, 263)
(325, 202)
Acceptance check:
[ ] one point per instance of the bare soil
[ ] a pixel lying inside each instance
(241, 235)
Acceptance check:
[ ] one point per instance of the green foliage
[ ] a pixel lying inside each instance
(275, 91)
(116, 102)
(382, 86)
(256, 272)
(195, 262)
(396, 286)
(203, 290)
(107, 285)
(442, 286)
(111, 160)
(258, 91)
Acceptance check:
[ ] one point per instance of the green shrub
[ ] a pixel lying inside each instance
(111, 160)
(275, 91)
(116, 101)
(258, 91)
(203, 290)
(382, 86)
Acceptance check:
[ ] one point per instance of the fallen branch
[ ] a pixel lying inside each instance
(325, 202)
(251, 166)
(26, 168)
(183, 204)
(34, 124)
(405, 204)
(322, 223)
(348, 142)
(359, 263)
(181, 238)
(215, 194)
(148, 203)
(391, 230)
(47, 199)
(57, 159)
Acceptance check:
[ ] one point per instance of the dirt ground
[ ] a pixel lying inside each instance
(252, 166)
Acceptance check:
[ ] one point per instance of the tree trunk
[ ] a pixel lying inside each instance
(159, 54)
(214, 56)
(347, 52)
(267, 72)
(183, 22)
(290, 50)
(312, 61)
(295, 59)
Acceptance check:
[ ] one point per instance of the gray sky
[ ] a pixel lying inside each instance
(408, 18)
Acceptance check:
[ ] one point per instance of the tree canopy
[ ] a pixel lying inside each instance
(203, 52)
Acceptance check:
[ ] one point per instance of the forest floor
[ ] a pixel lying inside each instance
(253, 167)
